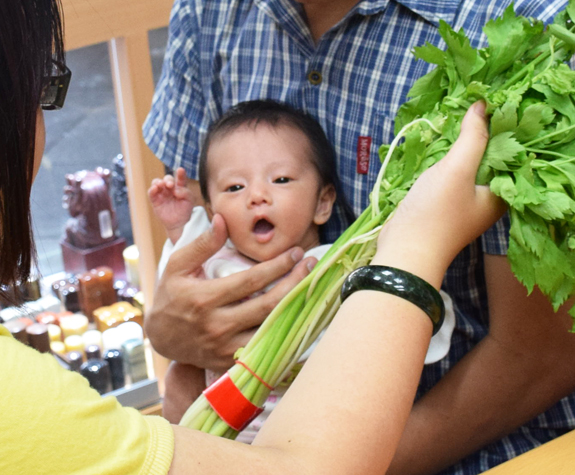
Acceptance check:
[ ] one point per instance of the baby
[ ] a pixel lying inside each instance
(270, 172)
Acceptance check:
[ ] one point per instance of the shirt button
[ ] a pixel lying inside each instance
(314, 77)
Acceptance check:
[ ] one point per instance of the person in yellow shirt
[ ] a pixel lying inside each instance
(354, 410)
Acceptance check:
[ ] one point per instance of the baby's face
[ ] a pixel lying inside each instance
(267, 190)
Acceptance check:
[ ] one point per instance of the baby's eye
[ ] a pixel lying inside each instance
(233, 188)
(281, 180)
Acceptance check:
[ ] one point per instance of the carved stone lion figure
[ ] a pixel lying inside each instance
(87, 199)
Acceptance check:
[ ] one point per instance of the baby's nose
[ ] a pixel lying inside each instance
(259, 195)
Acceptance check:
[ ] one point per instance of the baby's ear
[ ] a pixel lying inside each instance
(325, 202)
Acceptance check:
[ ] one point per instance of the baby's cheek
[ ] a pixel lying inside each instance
(232, 219)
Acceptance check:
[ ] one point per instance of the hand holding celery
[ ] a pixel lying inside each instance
(529, 91)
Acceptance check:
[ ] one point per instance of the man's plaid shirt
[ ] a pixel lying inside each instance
(352, 81)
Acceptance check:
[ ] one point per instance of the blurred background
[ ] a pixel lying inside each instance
(83, 138)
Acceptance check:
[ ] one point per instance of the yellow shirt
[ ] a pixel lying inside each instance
(52, 422)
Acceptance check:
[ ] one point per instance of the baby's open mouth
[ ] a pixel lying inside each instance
(263, 226)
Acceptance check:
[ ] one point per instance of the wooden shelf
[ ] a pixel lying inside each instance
(554, 458)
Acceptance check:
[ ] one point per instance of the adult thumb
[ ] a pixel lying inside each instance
(470, 146)
(191, 257)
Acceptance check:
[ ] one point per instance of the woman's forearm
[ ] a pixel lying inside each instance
(368, 363)
(335, 418)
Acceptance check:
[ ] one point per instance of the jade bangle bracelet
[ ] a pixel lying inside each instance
(400, 283)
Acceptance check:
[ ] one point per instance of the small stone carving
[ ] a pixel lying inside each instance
(87, 199)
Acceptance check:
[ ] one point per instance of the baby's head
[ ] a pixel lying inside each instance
(270, 172)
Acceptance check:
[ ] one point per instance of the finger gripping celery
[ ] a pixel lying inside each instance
(529, 163)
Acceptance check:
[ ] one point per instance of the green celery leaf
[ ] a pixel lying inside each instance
(530, 239)
(484, 174)
(567, 149)
(508, 38)
(522, 264)
(465, 58)
(553, 179)
(527, 193)
(382, 152)
(430, 54)
(414, 151)
(555, 206)
(396, 196)
(534, 221)
(557, 176)
(570, 10)
(513, 94)
(561, 294)
(529, 100)
(416, 107)
(440, 145)
(564, 125)
(552, 271)
(426, 83)
(534, 119)
(502, 150)
(393, 171)
(504, 186)
(425, 94)
(504, 119)
(451, 128)
(562, 104)
(477, 90)
(567, 288)
(561, 79)
(568, 169)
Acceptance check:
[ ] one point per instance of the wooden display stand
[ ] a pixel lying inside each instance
(81, 260)
(552, 458)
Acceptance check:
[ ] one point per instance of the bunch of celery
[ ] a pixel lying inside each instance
(530, 158)
(529, 92)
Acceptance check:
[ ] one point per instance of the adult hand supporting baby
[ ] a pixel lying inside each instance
(200, 322)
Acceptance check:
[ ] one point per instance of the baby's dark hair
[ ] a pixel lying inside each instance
(275, 114)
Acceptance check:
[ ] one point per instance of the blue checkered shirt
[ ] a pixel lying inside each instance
(352, 81)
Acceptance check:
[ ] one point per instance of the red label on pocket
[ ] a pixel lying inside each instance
(363, 151)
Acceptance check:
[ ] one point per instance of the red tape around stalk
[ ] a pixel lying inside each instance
(241, 363)
(230, 404)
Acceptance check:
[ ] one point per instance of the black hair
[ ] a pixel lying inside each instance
(30, 40)
(274, 114)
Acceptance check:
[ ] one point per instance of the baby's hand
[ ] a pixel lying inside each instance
(172, 202)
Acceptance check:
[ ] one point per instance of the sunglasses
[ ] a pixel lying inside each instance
(54, 93)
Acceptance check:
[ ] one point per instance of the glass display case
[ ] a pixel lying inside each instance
(87, 301)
